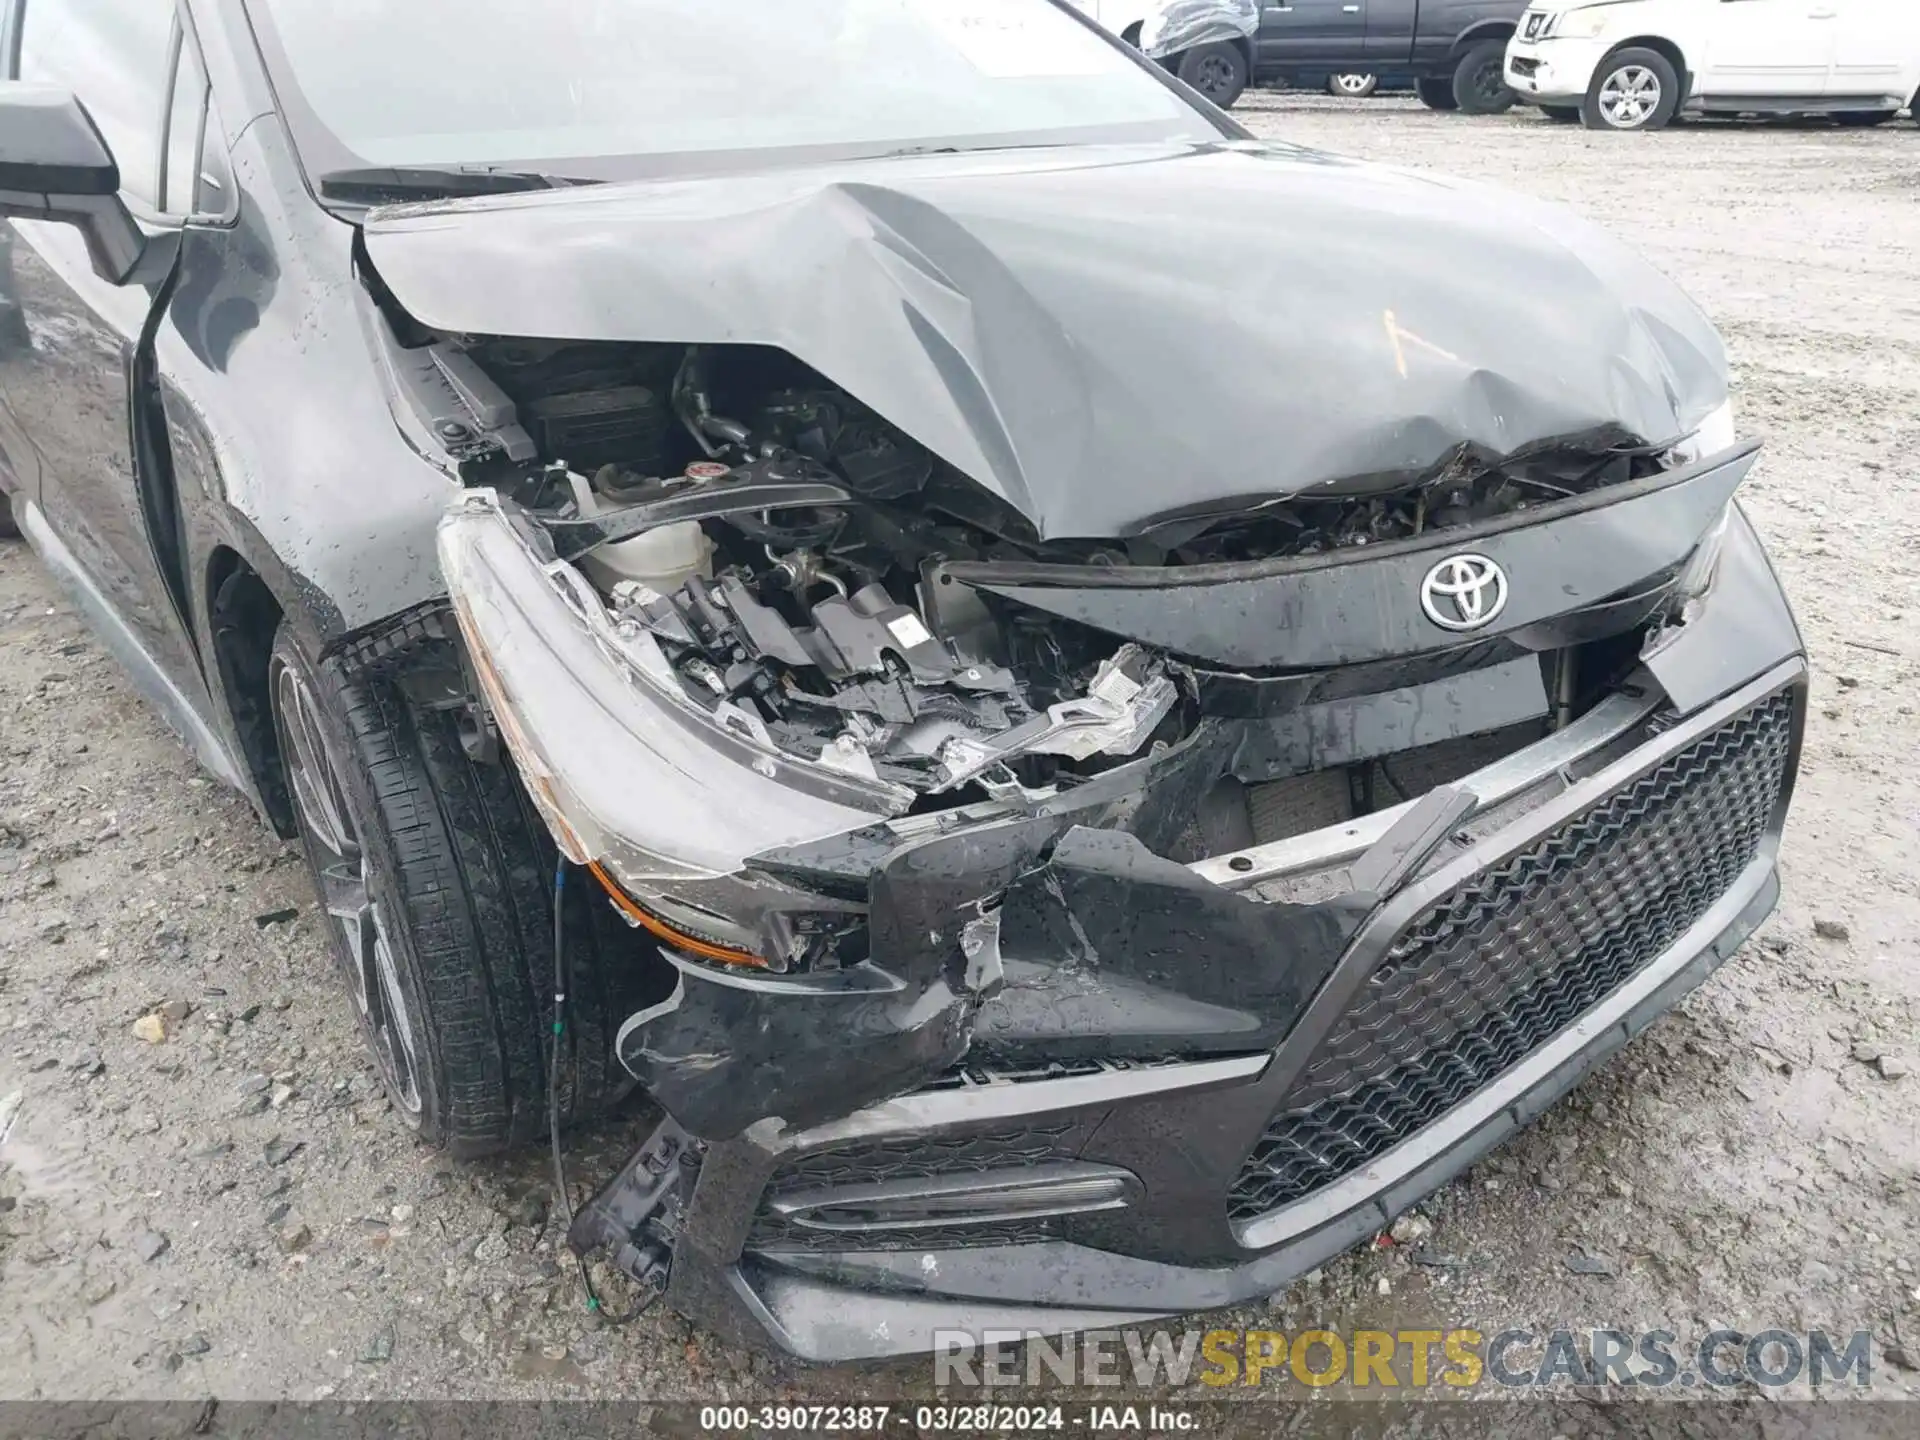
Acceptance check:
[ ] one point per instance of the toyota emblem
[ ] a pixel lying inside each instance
(1464, 592)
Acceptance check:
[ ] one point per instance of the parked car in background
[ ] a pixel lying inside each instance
(1221, 64)
(1635, 64)
(1454, 50)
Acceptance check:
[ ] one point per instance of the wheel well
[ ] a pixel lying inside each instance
(1492, 30)
(244, 617)
(1660, 45)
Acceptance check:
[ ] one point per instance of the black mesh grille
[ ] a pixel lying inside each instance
(1513, 955)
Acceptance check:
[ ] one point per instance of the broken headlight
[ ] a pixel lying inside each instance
(652, 799)
(1713, 435)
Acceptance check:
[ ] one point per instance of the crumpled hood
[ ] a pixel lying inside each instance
(1104, 335)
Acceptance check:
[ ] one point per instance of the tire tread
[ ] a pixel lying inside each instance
(473, 869)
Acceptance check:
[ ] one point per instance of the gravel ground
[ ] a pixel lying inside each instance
(231, 1211)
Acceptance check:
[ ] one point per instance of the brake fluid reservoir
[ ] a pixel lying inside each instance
(663, 559)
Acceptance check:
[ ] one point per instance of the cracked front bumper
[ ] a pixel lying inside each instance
(1554, 926)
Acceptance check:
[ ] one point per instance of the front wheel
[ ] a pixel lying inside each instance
(1633, 89)
(1352, 87)
(1218, 72)
(1436, 94)
(436, 890)
(1480, 80)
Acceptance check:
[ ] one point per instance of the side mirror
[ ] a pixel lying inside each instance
(55, 165)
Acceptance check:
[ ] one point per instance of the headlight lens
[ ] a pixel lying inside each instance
(1712, 435)
(1588, 24)
(1697, 578)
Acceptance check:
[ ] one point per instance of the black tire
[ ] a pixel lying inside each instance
(8, 530)
(1862, 119)
(1480, 80)
(1352, 86)
(1436, 94)
(455, 871)
(1217, 71)
(1619, 73)
(1563, 114)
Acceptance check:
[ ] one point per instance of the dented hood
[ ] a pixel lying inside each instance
(1108, 335)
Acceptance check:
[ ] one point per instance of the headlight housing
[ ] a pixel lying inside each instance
(1585, 24)
(666, 818)
(1696, 579)
(1714, 434)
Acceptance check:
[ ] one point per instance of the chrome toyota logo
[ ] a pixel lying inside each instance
(1464, 592)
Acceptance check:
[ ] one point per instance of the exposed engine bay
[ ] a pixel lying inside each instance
(801, 563)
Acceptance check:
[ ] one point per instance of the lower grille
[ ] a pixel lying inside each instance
(915, 1157)
(1514, 954)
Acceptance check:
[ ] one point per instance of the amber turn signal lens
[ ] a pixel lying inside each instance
(679, 939)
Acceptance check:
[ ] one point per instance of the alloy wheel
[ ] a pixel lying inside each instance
(1355, 85)
(1629, 97)
(364, 950)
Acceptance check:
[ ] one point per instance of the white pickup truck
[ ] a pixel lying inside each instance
(1634, 64)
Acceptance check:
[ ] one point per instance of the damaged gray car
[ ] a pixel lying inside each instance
(1089, 706)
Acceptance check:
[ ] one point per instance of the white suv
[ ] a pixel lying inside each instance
(1631, 64)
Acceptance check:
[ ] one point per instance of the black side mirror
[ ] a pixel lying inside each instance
(55, 165)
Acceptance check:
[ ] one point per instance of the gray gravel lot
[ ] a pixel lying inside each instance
(231, 1211)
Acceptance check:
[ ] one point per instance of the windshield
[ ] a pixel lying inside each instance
(647, 83)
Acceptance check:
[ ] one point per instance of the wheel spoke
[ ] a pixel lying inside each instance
(343, 890)
(395, 1023)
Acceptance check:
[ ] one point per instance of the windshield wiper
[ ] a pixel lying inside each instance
(383, 185)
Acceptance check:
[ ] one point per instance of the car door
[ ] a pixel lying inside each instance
(1390, 31)
(73, 395)
(1770, 48)
(1876, 46)
(1296, 33)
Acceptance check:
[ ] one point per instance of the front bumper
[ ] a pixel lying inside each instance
(1558, 71)
(1079, 1082)
(1553, 927)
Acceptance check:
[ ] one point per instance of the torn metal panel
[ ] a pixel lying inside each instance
(1095, 399)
